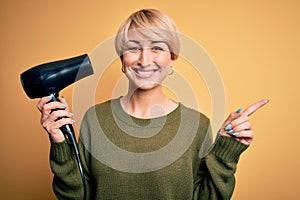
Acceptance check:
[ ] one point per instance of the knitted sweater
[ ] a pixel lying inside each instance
(163, 158)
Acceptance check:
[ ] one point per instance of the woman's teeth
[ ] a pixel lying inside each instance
(143, 73)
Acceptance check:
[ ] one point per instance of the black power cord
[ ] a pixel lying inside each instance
(71, 139)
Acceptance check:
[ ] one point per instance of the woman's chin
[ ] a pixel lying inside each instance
(146, 85)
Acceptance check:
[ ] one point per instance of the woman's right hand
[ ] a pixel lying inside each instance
(52, 121)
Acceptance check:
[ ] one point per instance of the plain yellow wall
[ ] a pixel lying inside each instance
(255, 45)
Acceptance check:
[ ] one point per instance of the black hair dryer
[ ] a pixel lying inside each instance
(50, 78)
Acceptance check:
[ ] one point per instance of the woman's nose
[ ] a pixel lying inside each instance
(145, 57)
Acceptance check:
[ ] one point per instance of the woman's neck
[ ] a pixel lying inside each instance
(147, 103)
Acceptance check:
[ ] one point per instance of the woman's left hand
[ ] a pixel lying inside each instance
(237, 124)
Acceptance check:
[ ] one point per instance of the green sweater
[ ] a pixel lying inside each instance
(164, 158)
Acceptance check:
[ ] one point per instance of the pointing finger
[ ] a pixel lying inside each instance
(254, 107)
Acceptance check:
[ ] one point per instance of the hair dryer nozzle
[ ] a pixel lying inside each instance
(50, 78)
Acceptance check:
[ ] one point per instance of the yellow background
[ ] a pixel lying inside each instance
(255, 45)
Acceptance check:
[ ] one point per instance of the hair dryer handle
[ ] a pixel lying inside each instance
(67, 129)
(69, 134)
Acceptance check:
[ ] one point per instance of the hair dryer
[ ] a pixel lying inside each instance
(50, 78)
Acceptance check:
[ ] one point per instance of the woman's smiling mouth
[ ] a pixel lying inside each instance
(142, 73)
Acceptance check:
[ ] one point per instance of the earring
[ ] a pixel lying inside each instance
(123, 70)
(171, 72)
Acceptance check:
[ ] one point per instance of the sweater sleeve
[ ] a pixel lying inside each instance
(67, 182)
(215, 178)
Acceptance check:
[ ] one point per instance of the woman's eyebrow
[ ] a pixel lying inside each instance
(134, 41)
(154, 42)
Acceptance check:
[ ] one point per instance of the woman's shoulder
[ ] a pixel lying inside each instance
(104, 105)
(99, 108)
(193, 113)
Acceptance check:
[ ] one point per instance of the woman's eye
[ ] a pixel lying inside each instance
(157, 48)
(133, 49)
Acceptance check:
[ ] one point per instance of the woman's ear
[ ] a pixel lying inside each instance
(172, 63)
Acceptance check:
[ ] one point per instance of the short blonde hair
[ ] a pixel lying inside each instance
(149, 23)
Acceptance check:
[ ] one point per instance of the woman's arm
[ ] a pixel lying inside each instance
(67, 182)
(215, 178)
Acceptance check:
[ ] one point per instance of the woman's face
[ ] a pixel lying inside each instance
(146, 62)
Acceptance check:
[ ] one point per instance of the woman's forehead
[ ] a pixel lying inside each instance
(148, 34)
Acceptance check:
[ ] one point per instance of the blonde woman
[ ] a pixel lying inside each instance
(146, 120)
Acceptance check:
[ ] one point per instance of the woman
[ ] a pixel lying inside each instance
(145, 120)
